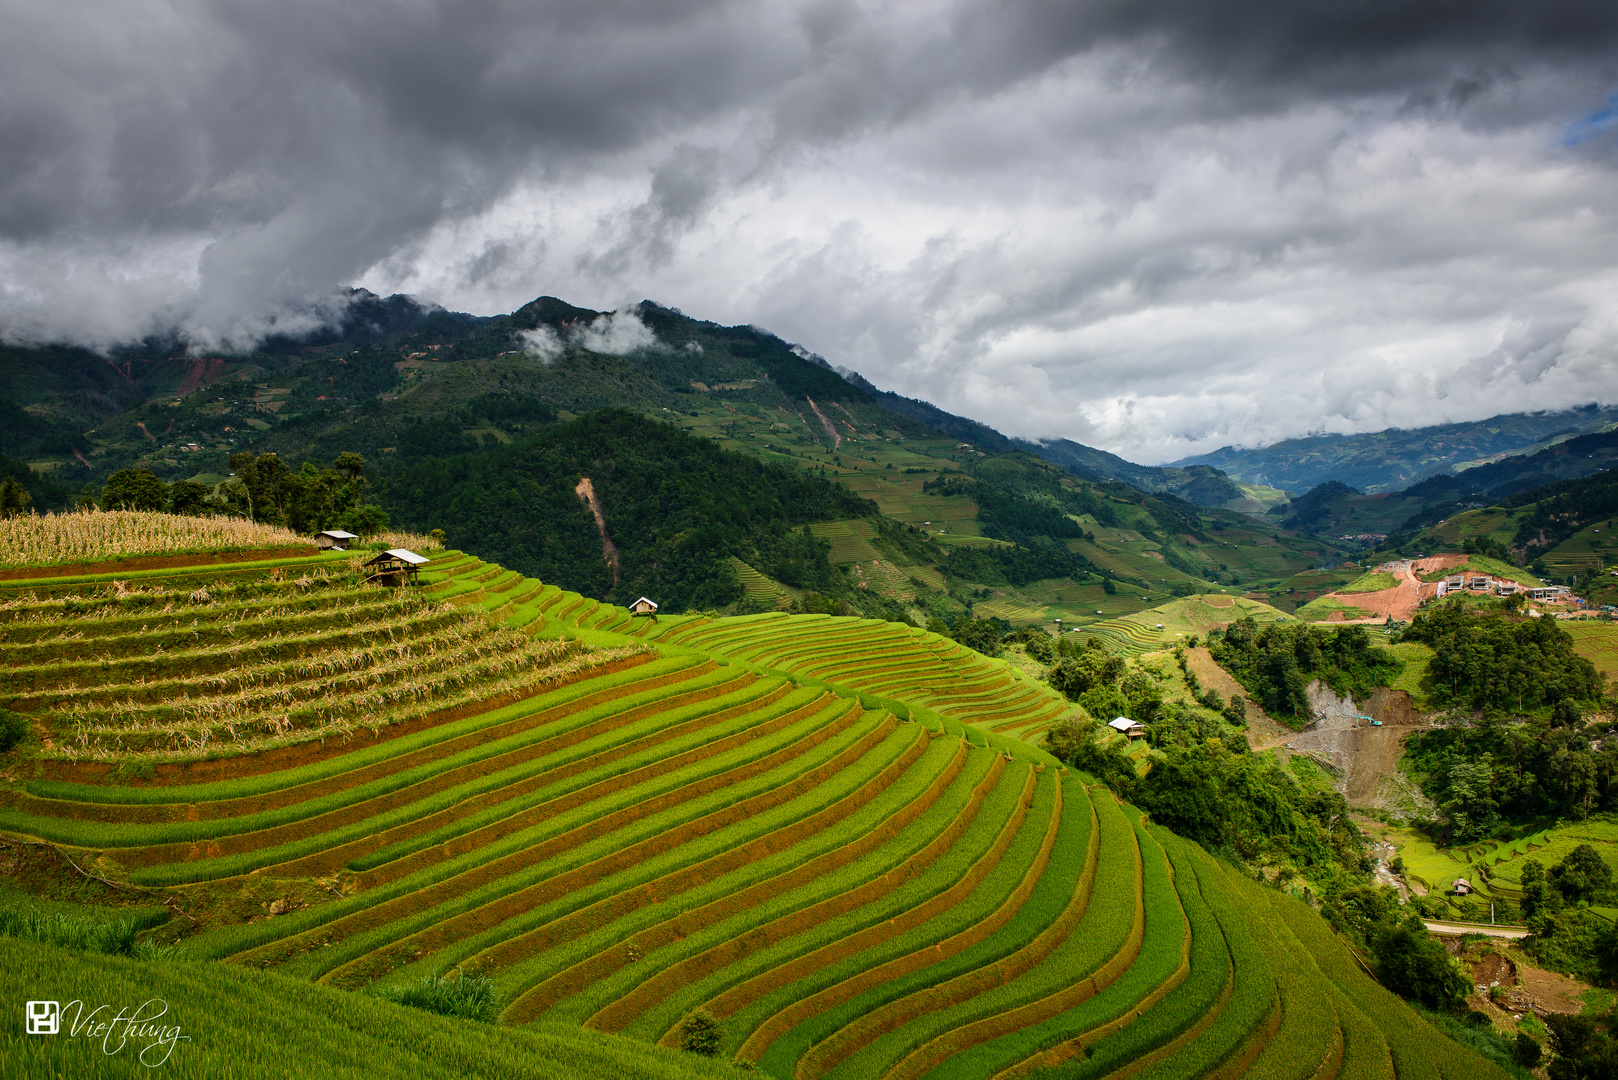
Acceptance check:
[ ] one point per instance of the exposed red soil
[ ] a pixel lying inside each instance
(586, 491)
(202, 373)
(1261, 729)
(1401, 601)
(154, 562)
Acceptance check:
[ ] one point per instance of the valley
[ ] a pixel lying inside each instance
(836, 840)
(847, 804)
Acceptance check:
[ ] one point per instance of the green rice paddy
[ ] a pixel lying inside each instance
(837, 836)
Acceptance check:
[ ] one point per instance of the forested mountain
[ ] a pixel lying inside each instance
(1335, 509)
(1392, 460)
(484, 427)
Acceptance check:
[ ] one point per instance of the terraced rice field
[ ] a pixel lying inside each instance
(1597, 642)
(789, 822)
(925, 672)
(850, 540)
(757, 587)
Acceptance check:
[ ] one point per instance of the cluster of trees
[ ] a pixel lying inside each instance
(1104, 684)
(310, 499)
(263, 488)
(1493, 663)
(1490, 548)
(1276, 664)
(1018, 565)
(1560, 510)
(1409, 960)
(1496, 771)
(23, 490)
(678, 507)
(1209, 788)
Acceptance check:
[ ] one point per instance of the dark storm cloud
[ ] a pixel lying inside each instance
(1144, 223)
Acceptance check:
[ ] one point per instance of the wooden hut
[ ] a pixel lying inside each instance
(1460, 886)
(644, 606)
(395, 566)
(1125, 726)
(334, 540)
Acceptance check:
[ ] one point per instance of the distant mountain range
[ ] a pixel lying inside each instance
(67, 409)
(1397, 458)
(1200, 485)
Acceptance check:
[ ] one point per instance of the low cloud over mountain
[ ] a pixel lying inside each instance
(1155, 227)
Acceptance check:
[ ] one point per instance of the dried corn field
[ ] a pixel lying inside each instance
(83, 536)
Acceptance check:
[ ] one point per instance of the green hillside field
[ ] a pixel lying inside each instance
(829, 834)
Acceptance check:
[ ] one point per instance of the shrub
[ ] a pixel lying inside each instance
(13, 729)
(700, 1033)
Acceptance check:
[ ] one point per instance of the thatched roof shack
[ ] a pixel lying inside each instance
(644, 606)
(395, 566)
(334, 539)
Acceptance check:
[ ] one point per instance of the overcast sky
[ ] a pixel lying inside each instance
(1154, 226)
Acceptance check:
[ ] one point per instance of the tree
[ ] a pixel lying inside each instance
(1581, 876)
(1471, 806)
(134, 489)
(14, 498)
(1584, 1050)
(1539, 900)
(367, 520)
(980, 634)
(188, 497)
(1093, 666)
(1415, 965)
(1526, 1051)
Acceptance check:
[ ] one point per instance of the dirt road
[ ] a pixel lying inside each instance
(1262, 732)
(1458, 929)
(1401, 601)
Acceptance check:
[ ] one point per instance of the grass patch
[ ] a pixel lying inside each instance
(1372, 582)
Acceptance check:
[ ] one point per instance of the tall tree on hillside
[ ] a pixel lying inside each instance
(14, 498)
(134, 489)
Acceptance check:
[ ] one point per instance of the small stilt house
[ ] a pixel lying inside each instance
(395, 566)
(1125, 726)
(334, 539)
(644, 606)
(1460, 886)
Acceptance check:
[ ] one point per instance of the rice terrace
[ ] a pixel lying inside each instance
(828, 846)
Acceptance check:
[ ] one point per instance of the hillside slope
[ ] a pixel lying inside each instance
(819, 831)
